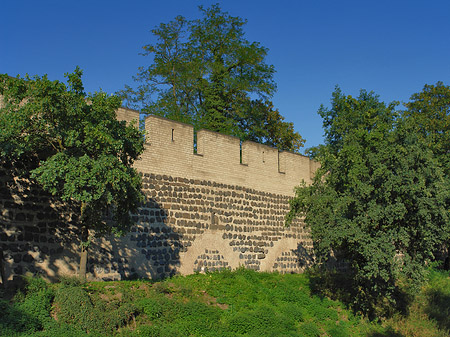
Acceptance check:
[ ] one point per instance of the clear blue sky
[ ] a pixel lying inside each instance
(391, 47)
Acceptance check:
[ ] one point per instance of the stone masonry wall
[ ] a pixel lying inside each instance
(189, 225)
(36, 231)
(221, 207)
(169, 150)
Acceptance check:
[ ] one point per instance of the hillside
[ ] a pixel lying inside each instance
(238, 303)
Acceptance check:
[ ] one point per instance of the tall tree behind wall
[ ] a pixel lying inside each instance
(204, 72)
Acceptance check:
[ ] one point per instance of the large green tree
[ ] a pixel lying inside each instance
(74, 147)
(206, 73)
(378, 200)
(430, 111)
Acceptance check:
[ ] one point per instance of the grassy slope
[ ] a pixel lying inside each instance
(239, 303)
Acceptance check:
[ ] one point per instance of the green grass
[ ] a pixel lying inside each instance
(238, 303)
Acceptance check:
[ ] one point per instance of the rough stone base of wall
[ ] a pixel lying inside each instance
(36, 231)
(184, 226)
(188, 226)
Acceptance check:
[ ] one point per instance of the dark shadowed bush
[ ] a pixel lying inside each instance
(30, 310)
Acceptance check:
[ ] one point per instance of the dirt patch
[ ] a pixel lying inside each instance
(208, 299)
(143, 287)
(111, 297)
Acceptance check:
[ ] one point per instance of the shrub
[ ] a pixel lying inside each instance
(160, 331)
(438, 299)
(30, 310)
(152, 307)
(261, 321)
(309, 330)
(14, 320)
(293, 311)
(75, 307)
(338, 331)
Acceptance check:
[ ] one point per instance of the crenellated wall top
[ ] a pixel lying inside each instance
(169, 149)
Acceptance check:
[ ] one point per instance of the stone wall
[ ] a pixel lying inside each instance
(169, 150)
(221, 206)
(36, 231)
(189, 225)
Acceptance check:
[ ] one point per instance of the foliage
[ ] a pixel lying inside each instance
(310, 330)
(75, 307)
(427, 314)
(206, 73)
(31, 310)
(263, 320)
(430, 111)
(378, 201)
(73, 145)
(140, 308)
(438, 299)
(240, 303)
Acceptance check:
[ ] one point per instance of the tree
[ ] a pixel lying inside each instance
(430, 111)
(379, 199)
(204, 72)
(262, 123)
(75, 148)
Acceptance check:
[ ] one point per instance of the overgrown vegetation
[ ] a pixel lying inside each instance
(379, 201)
(238, 303)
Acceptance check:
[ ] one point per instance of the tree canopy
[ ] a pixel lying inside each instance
(379, 199)
(204, 72)
(430, 111)
(74, 147)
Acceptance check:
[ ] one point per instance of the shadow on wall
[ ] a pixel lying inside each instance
(36, 235)
(292, 260)
(305, 257)
(151, 249)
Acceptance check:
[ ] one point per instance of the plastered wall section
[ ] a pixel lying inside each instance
(169, 149)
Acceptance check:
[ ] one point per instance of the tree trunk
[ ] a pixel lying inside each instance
(84, 252)
(83, 263)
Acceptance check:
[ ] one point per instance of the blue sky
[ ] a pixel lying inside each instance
(391, 47)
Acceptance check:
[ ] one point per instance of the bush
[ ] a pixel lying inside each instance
(338, 331)
(309, 330)
(57, 329)
(30, 311)
(293, 311)
(151, 307)
(76, 308)
(261, 321)
(321, 313)
(191, 318)
(14, 320)
(438, 299)
(160, 331)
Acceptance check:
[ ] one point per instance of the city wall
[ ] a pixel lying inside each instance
(221, 205)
